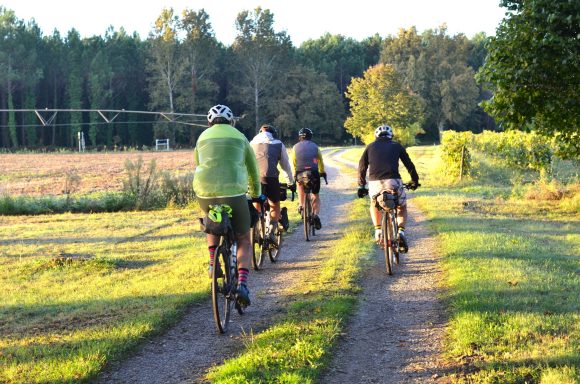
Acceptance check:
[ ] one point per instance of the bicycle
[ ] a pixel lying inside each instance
(224, 279)
(261, 244)
(387, 202)
(307, 215)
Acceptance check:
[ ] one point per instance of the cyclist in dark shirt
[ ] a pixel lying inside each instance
(381, 158)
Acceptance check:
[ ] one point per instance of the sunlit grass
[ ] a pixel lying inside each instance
(80, 290)
(512, 268)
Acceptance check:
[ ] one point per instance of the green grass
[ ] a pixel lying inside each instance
(297, 347)
(512, 269)
(353, 154)
(81, 290)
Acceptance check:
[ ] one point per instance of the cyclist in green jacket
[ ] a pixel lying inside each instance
(225, 166)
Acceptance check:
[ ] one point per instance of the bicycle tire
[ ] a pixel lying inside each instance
(258, 233)
(274, 251)
(222, 290)
(387, 238)
(396, 246)
(312, 225)
(306, 216)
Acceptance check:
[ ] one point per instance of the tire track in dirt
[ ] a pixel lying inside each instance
(396, 334)
(184, 353)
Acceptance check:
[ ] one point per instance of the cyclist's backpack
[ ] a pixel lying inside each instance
(217, 221)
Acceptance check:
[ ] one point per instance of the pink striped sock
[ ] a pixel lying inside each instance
(243, 275)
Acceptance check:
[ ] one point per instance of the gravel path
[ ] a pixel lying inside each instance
(185, 352)
(396, 334)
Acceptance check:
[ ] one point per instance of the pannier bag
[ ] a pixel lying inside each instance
(254, 214)
(217, 220)
(305, 178)
(283, 193)
(386, 200)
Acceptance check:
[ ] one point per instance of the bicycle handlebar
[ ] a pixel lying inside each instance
(363, 191)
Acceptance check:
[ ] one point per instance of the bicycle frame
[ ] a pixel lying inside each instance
(389, 228)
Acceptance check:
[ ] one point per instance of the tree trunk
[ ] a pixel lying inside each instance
(257, 107)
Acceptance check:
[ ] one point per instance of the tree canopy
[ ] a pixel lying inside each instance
(533, 68)
(180, 66)
(380, 97)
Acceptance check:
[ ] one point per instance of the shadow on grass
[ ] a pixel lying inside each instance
(141, 315)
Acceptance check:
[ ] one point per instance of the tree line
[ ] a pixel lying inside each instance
(262, 76)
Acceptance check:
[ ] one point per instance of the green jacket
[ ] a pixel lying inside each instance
(225, 164)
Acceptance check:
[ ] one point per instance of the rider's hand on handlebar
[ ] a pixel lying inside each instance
(292, 187)
(323, 175)
(413, 185)
(362, 191)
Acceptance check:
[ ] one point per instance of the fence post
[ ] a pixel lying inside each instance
(462, 161)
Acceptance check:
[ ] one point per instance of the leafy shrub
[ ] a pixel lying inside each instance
(177, 190)
(142, 183)
(516, 149)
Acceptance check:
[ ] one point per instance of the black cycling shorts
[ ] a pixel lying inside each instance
(271, 188)
(310, 180)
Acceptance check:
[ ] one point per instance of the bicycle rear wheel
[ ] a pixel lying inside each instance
(222, 289)
(274, 250)
(396, 244)
(258, 233)
(306, 217)
(387, 239)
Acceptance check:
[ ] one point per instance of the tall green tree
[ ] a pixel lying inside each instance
(307, 99)
(435, 66)
(261, 54)
(166, 68)
(533, 66)
(74, 85)
(340, 58)
(201, 51)
(99, 92)
(126, 56)
(380, 97)
(32, 73)
(10, 50)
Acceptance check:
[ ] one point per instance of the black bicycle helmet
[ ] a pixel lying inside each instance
(305, 133)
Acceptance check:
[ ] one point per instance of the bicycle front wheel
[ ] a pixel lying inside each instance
(387, 239)
(222, 289)
(258, 244)
(274, 250)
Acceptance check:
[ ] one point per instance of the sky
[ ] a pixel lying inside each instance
(301, 19)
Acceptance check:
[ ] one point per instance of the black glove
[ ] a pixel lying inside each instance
(362, 191)
(292, 187)
(323, 176)
(414, 185)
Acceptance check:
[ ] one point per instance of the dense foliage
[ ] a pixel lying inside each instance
(181, 67)
(533, 66)
(515, 149)
(381, 98)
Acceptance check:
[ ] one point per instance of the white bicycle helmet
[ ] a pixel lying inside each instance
(384, 131)
(220, 111)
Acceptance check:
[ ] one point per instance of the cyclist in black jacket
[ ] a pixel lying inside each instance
(381, 158)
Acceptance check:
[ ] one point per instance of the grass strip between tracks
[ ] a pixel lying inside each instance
(296, 348)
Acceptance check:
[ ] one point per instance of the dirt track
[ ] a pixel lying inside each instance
(393, 338)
